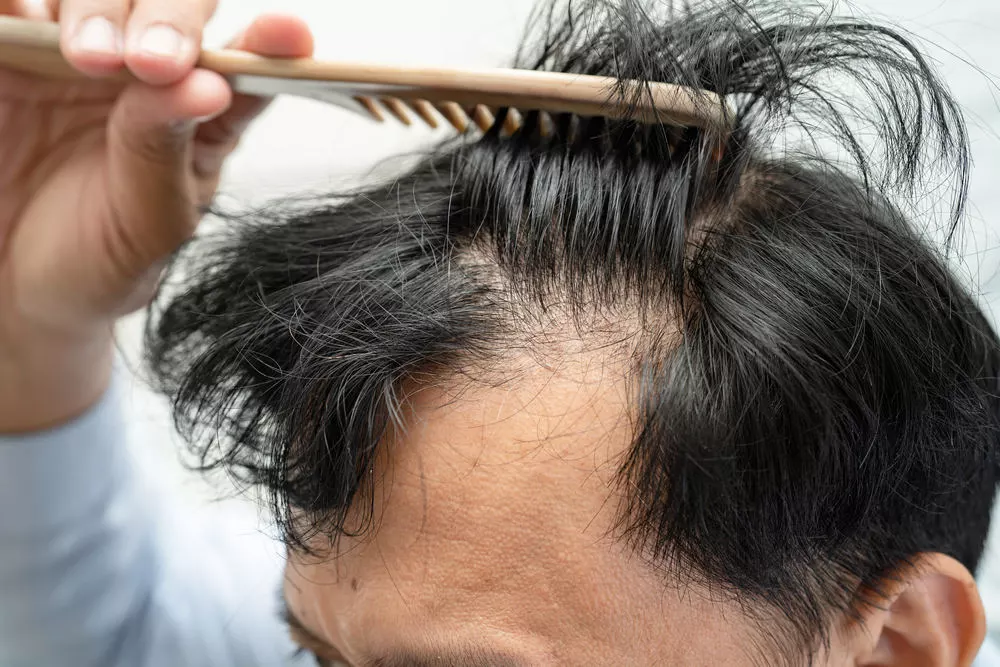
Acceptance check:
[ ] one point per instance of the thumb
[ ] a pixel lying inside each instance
(152, 195)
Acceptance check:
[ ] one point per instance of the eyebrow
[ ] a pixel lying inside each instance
(469, 656)
(464, 656)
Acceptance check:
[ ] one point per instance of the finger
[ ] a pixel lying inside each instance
(32, 9)
(276, 36)
(92, 34)
(154, 197)
(163, 38)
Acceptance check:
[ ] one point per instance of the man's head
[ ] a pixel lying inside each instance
(606, 395)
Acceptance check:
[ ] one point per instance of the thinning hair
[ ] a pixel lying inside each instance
(816, 395)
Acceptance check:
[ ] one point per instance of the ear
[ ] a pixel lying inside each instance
(931, 616)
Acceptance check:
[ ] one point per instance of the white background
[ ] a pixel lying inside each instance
(302, 145)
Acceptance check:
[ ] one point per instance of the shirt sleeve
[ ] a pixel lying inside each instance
(99, 570)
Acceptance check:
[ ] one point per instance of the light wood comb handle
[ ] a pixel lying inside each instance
(33, 47)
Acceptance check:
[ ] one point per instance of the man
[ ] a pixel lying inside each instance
(605, 394)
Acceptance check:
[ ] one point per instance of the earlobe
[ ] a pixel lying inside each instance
(932, 617)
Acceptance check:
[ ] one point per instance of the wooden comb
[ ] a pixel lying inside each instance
(461, 97)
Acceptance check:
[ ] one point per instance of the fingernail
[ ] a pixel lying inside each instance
(162, 41)
(36, 9)
(98, 35)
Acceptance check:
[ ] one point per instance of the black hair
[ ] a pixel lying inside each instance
(829, 407)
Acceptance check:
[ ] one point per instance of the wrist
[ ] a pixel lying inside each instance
(47, 382)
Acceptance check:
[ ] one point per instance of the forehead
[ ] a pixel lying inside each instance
(496, 510)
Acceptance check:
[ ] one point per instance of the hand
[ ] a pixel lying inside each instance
(101, 182)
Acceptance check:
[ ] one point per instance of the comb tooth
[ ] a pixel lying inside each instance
(482, 117)
(370, 106)
(425, 110)
(573, 128)
(512, 123)
(545, 124)
(397, 109)
(453, 113)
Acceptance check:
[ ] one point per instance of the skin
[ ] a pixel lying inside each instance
(497, 505)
